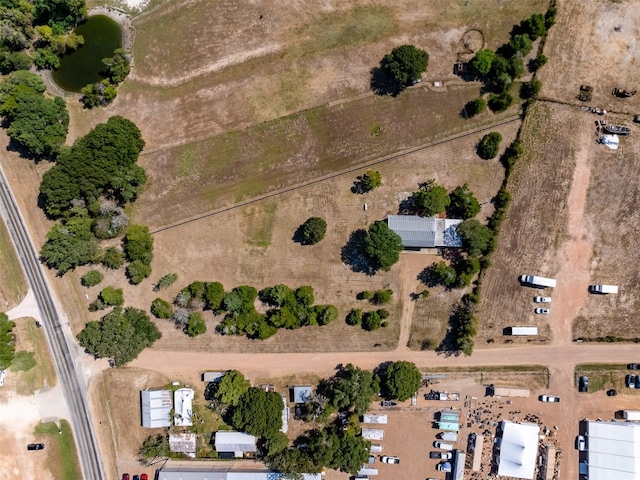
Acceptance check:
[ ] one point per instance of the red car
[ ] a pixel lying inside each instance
(125, 476)
(144, 477)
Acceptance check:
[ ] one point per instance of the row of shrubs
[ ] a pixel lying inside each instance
(290, 309)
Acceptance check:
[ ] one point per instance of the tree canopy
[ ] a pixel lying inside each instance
(313, 230)
(463, 203)
(120, 335)
(406, 63)
(69, 245)
(476, 237)
(7, 344)
(231, 388)
(400, 380)
(482, 61)
(258, 413)
(489, 145)
(102, 163)
(382, 246)
(474, 107)
(350, 388)
(431, 200)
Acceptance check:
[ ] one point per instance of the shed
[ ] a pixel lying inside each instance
(300, 393)
(522, 331)
(237, 443)
(212, 377)
(372, 434)
(183, 409)
(371, 418)
(285, 415)
(425, 232)
(449, 426)
(183, 443)
(156, 408)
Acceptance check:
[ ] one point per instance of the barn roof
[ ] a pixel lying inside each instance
(425, 232)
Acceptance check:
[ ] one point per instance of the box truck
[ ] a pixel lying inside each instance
(603, 289)
(633, 415)
(541, 282)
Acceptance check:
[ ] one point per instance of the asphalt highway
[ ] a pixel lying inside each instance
(69, 376)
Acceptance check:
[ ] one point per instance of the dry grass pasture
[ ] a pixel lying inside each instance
(13, 285)
(594, 43)
(30, 338)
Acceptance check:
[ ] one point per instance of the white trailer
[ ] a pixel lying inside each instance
(603, 289)
(542, 282)
(633, 415)
(448, 436)
(522, 331)
(372, 434)
(508, 391)
(371, 418)
(375, 448)
(367, 471)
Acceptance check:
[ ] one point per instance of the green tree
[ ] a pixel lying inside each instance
(431, 200)
(304, 295)
(117, 66)
(258, 413)
(69, 245)
(231, 388)
(325, 314)
(111, 296)
(138, 271)
(476, 238)
(405, 64)
(371, 321)
(482, 61)
(196, 325)
(120, 335)
(520, 44)
(538, 62)
(500, 102)
(441, 273)
(467, 269)
(371, 180)
(489, 145)
(156, 446)
(214, 293)
(166, 281)
(112, 258)
(400, 380)
(161, 308)
(534, 26)
(475, 107)
(7, 342)
(354, 317)
(382, 297)
(530, 89)
(138, 244)
(60, 15)
(463, 203)
(45, 59)
(313, 230)
(91, 278)
(277, 296)
(350, 388)
(382, 246)
(13, 61)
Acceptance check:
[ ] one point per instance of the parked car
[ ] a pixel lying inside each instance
(394, 460)
(549, 398)
(35, 446)
(38, 324)
(443, 445)
(144, 477)
(581, 443)
(612, 393)
(136, 477)
(540, 299)
(442, 455)
(630, 381)
(444, 467)
(583, 384)
(632, 366)
(542, 311)
(3, 374)
(386, 403)
(125, 476)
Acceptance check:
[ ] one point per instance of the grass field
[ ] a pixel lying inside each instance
(62, 459)
(606, 376)
(13, 285)
(34, 363)
(530, 376)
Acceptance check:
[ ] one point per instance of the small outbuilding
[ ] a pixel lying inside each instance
(300, 393)
(371, 418)
(183, 443)
(183, 401)
(212, 377)
(156, 408)
(236, 443)
(425, 232)
(372, 434)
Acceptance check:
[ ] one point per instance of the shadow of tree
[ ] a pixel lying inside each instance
(298, 236)
(381, 84)
(353, 253)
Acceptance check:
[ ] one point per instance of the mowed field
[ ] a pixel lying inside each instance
(13, 285)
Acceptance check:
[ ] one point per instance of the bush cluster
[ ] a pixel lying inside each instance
(104, 92)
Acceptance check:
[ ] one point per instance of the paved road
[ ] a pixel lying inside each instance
(73, 386)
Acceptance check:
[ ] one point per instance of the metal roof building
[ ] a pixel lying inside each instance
(156, 408)
(425, 232)
(237, 442)
(214, 472)
(613, 451)
(372, 434)
(214, 377)
(183, 443)
(183, 399)
(518, 450)
(300, 393)
(371, 418)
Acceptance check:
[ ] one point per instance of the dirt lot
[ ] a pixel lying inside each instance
(597, 42)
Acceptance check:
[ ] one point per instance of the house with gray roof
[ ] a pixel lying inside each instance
(425, 232)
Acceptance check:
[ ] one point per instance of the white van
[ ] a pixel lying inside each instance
(443, 445)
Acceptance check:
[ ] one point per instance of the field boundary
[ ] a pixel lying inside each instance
(338, 174)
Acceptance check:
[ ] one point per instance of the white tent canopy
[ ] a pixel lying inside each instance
(613, 450)
(518, 450)
(611, 141)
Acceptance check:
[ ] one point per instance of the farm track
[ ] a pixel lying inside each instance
(334, 175)
(72, 383)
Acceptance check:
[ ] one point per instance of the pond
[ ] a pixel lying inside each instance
(102, 35)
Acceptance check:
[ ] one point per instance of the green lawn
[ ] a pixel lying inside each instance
(62, 459)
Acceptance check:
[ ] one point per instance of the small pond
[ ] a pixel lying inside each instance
(102, 35)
